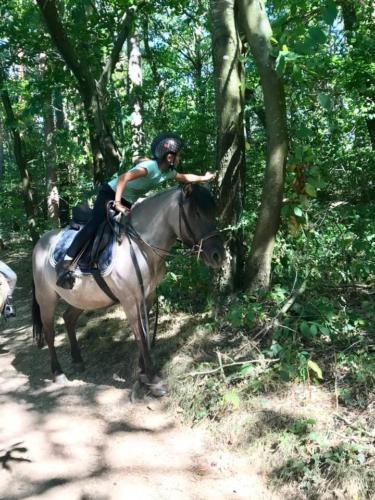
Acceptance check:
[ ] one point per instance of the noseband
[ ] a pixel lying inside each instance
(197, 243)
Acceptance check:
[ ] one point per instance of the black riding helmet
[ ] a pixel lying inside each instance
(164, 144)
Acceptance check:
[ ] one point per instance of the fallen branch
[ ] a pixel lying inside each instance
(355, 427)
(236, 363)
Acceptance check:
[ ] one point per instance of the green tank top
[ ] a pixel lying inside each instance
(139, 187)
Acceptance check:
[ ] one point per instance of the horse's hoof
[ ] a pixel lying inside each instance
(79, 366)
(157, 388)
(61, 379)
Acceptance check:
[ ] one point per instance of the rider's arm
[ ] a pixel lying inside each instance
(185, 178)
(122, 182)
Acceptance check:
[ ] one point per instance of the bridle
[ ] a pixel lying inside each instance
(197, 246)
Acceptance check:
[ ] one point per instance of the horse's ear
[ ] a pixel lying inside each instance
(187, 189)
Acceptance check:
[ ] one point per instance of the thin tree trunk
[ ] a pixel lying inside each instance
(229, 79)
(53, 198)
(255, 23)
(18, 148)
(161, 118)
(135, 97)
(61, 125)
(50, 152)
(349, 16)
(2, 155)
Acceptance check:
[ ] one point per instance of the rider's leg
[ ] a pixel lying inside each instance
(64, 269)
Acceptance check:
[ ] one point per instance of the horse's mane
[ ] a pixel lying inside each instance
(200, 196)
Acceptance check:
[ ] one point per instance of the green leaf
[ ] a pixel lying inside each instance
(329, 12)
(317, 35)
(247, 369)
(315, 368)
(305, 329)
(325, 101)
(310, 190)
(297, 211)
(324, 330)
(280, 63)
(232, 398)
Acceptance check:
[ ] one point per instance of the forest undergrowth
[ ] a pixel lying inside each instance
(289, 374)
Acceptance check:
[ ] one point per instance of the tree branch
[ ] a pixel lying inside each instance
(125, 28)
(60, 38)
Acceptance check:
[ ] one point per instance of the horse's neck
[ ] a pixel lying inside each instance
(152, 219)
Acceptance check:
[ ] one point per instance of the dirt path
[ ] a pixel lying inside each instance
(87, 440)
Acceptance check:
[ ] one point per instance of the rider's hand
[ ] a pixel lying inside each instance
(119, 207)
(209, 176)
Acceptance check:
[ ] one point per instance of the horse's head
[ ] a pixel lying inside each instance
(197, 227)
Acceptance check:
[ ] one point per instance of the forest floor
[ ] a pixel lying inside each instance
(87, 440)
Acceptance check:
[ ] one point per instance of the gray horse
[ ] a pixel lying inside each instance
(186, 213)
(4, 292)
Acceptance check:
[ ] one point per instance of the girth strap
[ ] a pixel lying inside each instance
(103, 285)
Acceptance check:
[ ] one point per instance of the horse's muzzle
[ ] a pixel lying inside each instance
(213, 252)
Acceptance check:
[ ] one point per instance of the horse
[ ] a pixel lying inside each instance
(4, 292)
(186, 213)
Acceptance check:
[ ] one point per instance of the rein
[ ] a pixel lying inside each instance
(195, 249)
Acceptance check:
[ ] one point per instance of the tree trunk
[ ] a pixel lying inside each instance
(255, 23)
(135, 97)
(53, 198)
(2, 155)
(349, 16)
(161, 119)
(92, 87)
(18, 148)
(52, 194)
(229, 79)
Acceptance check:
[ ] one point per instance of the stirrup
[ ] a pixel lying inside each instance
(9, 311)
(66, 280)
(65, 274)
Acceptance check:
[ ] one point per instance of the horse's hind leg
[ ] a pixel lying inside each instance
(70, 318)
(47, 317)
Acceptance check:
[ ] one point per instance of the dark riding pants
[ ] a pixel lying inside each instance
(99, 212)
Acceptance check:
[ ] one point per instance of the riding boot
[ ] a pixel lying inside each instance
(65, 274)
(9, 310)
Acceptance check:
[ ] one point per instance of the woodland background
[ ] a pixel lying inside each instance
(286, 117)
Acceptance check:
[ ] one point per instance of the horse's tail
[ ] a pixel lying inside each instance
(37, 321)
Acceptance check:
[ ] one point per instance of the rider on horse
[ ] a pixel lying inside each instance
(125, 190)
(11, 277)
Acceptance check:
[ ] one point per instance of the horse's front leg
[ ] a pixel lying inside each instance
(147, 376)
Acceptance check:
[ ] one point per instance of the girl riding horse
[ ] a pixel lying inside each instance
(125, 190)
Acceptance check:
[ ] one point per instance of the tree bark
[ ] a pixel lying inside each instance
(256, 26)
(135, 97)
(230, 161)
(2, 155)
(161, 118)
(20, 156)
(92, 87)
(53, 198)
(350, 18)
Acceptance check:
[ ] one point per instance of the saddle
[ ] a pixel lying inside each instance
(97, 254)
